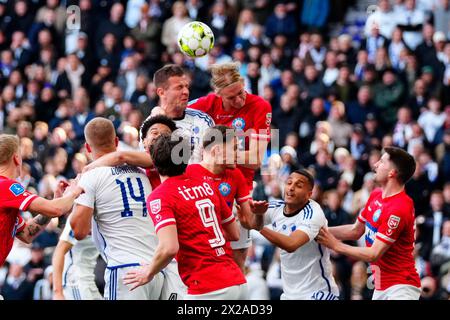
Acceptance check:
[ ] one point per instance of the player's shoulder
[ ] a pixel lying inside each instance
(376, 192)
(199, 115)
(6, 182)
(8, 186)
(235, 173)
(259, 102)
(315, 209)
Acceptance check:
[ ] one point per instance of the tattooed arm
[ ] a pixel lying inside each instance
(33, 228)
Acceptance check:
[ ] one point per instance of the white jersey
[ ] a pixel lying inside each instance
(80, 260)
(306, 273)
(193, 126)
(122, 230)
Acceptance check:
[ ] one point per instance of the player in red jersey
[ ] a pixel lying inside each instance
(194, 224)
(250, 115)
(14, 198)
(151, 129)
(388, 223)
(219, 158)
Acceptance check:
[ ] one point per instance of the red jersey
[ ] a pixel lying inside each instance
(230, 184)
(13, 199)
(204, 259)
(153, 175)
(391, 220)
(256, 116)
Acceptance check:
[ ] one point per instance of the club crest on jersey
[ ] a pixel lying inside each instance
(155, 206)
(376, 215)
(224, 189)
(393, 222)
(238, 124)
(17, 189)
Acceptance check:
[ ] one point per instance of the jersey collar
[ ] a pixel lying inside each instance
(296, 212)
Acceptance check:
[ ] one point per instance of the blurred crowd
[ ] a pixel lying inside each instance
(337, 99)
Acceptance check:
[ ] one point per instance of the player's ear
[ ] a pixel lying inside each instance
(88, 147)
(116, 141)
(392, 173)
(16, 159)
(160, 91)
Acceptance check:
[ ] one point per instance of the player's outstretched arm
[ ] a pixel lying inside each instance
(135, 158)
(348, 231)
(58, 265)
(58, 206)
(48, 209)
(367, 254)
(251, 214)
(80, 221)
(289, 243)
(167, 249)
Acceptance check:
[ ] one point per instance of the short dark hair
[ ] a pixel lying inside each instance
(403, 162)
(162, 152)
(163, 74)
(210, 138)
(161, 119)
(307, 174)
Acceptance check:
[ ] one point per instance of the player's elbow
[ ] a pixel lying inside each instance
(291, 248)
(79, 234)
(374, 256)
(170, 250)
(26, 239)
(78, 231)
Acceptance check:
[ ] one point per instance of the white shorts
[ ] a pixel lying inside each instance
(238, 292)
(398, 292)
(81, 292)
(318, 295)
(116, 290)
(173, 287)
(245, 240)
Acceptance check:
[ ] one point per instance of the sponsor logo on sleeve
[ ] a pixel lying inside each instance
(376, 215)
(393, 222)
(155, 206)
(17, 189)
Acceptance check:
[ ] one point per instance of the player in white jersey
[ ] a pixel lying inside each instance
(172, 87)
(73, 267)
(122, 231)
(294, 223)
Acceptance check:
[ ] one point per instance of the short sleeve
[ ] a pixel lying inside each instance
(312, 220)
(362, 216)
(263, 119)
(88, 182)
(226, 216)
(67, 234)
(243, 191)
(391, 226)
(161, 211)
(13, 195)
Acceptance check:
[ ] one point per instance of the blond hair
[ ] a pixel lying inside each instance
(100, 133)
(9, 144)
(224, 75)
